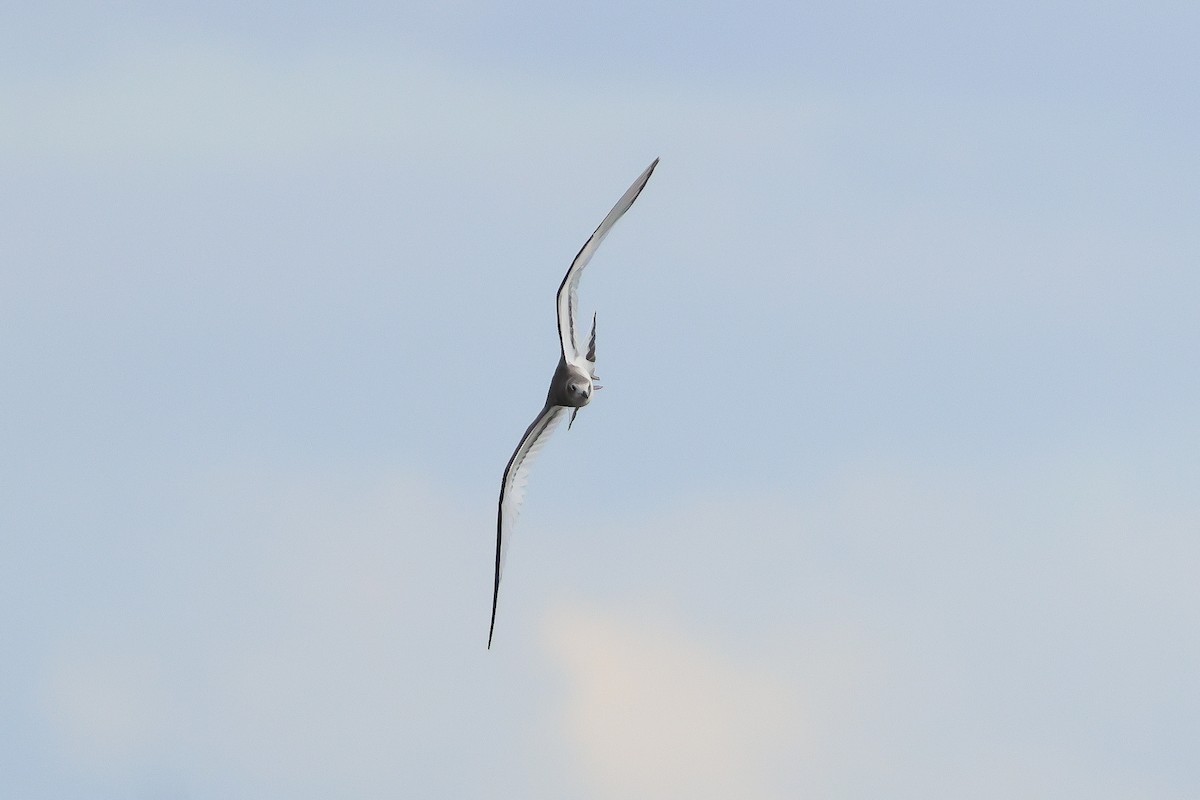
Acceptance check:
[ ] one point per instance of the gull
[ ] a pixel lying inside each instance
(570, 388)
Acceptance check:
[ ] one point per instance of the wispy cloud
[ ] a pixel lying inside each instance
(650, 712)
(216, 102)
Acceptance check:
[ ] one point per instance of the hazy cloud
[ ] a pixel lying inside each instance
(651, 713)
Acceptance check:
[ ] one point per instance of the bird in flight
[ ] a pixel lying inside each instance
(570, 388)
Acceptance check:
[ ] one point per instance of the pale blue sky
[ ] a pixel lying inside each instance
(891, 492)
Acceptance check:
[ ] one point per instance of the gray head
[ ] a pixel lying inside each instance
(579, 389)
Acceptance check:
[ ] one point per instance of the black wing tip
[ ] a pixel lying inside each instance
(644, 179)
(499, 539)
(492, 626)
(650, 170)
(495, 589)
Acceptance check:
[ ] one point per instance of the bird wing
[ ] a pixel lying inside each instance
(512, 488)
(590, 358)
(568, 291)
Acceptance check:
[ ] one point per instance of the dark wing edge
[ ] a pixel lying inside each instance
(512, 487)
(591, 353)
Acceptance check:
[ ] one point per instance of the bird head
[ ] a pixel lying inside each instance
(579, 390)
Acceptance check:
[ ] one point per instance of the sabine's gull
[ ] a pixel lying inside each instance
(570, 388)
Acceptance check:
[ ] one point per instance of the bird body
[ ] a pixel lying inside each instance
(570, 389)
(571, 386)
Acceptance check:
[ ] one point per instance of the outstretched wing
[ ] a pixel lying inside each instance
(512, 488)
(568, 291)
